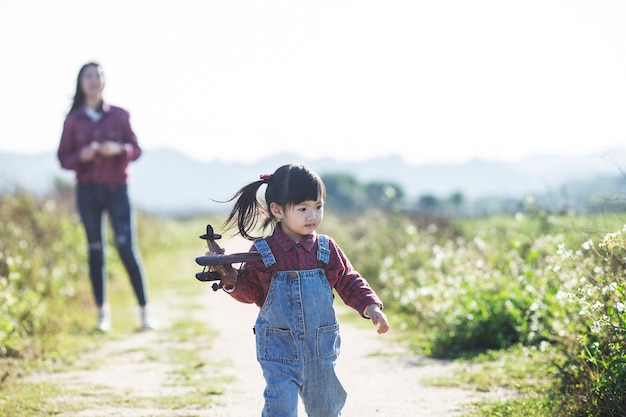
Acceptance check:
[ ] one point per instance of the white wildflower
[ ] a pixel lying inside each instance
(479, 242)
(544, 345)
(596, 326)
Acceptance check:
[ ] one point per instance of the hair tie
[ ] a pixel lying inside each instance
(266, 177)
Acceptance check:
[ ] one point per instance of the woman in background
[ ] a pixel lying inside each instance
(98, 143)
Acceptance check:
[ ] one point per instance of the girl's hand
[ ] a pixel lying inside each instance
(379, 318)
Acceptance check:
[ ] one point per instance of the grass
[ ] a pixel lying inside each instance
(199, 382)
(26, 400)
(427, 301)
(168, 248)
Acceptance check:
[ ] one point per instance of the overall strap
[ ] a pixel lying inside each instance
(265, 251)
(323, 251)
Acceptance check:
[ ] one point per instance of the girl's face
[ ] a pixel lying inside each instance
(300, 220)
(92, 81)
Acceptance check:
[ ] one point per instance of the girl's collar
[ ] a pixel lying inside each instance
(286, 242)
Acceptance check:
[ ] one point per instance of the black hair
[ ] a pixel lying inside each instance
(289, 185)
(79, 95)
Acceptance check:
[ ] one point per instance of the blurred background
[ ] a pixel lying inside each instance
(482, 99)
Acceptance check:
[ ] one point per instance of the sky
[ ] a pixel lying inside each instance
(437, 81)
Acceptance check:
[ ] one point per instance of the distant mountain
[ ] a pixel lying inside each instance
(167, 182)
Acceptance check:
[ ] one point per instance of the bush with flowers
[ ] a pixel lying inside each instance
(466, 287)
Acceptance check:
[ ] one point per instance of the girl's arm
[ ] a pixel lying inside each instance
(248, 288)
(353, 289)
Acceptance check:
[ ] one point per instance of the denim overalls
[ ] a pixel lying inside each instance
(297, 340)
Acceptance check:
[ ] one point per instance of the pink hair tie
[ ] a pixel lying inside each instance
(266, 177)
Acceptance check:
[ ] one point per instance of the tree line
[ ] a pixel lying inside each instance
(346, 194)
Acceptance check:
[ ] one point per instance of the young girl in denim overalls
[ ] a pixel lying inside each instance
(297, 334)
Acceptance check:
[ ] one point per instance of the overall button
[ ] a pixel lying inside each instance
(294, 275)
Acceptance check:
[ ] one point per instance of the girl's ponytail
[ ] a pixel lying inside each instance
(247, 210)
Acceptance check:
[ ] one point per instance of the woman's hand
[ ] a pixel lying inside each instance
(89, 152)
(378, 318)
(110, 148)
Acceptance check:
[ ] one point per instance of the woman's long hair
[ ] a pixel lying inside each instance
(289, 185)
(79, 95)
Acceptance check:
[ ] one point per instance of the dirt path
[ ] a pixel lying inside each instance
(382, 378)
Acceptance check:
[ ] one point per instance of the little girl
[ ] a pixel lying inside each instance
(297, 334)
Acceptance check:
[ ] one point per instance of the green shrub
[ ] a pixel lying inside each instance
(41, 260)
(461, 289)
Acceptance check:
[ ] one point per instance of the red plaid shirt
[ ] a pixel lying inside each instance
(79, 131)
(253, 285)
